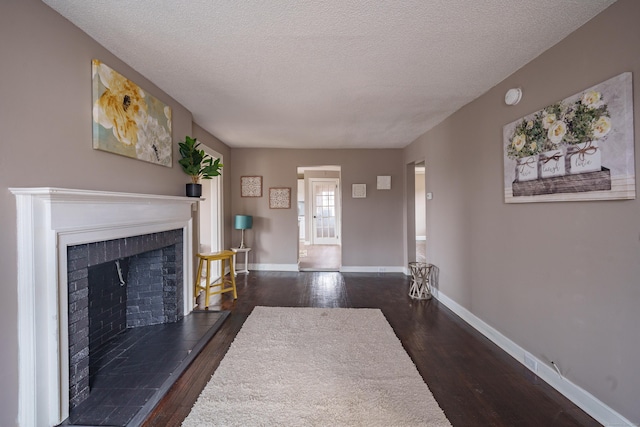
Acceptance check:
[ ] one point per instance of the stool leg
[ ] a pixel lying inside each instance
(207, 285)
(196, 287)
(222, 276)
(233, 277)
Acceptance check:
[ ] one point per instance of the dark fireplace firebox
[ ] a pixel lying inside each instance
(114, 285)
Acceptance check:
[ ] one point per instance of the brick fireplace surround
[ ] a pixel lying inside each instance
(52, 223)
(100, 307)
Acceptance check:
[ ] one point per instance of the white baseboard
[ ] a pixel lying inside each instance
(343, 269)
(370, 269)
(583, 399)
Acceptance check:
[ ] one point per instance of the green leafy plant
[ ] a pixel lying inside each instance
(196, 163)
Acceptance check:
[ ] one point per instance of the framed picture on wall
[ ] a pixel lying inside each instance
(580, 148)
(383, 182)
(280, 197)
(250, 186)
(358, 191)
(128, 120)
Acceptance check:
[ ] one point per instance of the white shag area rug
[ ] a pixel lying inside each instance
(316, 367)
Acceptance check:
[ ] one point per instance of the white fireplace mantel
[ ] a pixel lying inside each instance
(50, 220)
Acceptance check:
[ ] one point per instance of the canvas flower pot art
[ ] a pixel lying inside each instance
(583, 146)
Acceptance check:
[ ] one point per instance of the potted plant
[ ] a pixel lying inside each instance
(197, 164)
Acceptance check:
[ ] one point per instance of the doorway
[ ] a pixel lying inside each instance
(324, 195)
(416, 237)
(420, 213)
(319, 214)
(210, 234)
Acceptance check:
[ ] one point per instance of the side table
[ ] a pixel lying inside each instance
(420, 287)
(245, 251)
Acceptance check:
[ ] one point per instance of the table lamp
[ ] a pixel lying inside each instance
(243, 222)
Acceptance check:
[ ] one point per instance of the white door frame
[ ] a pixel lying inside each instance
(212, 213)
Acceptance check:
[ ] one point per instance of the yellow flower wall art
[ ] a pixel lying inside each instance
(127, 120)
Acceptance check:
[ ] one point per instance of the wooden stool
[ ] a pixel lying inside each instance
(420, 287)
(226, 285)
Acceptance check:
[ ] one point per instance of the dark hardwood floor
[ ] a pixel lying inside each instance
(475, 383)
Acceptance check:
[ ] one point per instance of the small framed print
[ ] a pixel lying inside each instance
(250, 186)
(359, 191)
(384, 182)
(280, 197)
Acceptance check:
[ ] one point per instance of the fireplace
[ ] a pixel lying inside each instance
(62, 235)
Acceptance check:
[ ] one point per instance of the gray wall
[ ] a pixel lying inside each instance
(371, 227)
(46, 141)
(559, 279)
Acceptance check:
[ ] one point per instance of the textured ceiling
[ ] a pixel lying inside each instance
(326, 74)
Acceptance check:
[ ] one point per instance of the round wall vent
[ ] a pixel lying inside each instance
(513, 96)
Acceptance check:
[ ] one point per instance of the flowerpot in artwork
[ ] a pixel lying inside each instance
(552, 164)
(584, 157)
(194, 190)
(527, 168)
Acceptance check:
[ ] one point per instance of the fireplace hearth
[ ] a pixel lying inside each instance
(149, 360)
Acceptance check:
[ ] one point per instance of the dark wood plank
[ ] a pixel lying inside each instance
(475, 383)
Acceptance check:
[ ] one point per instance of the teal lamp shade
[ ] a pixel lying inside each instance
(243, 222)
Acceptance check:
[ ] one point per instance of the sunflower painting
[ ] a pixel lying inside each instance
(128, 121)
